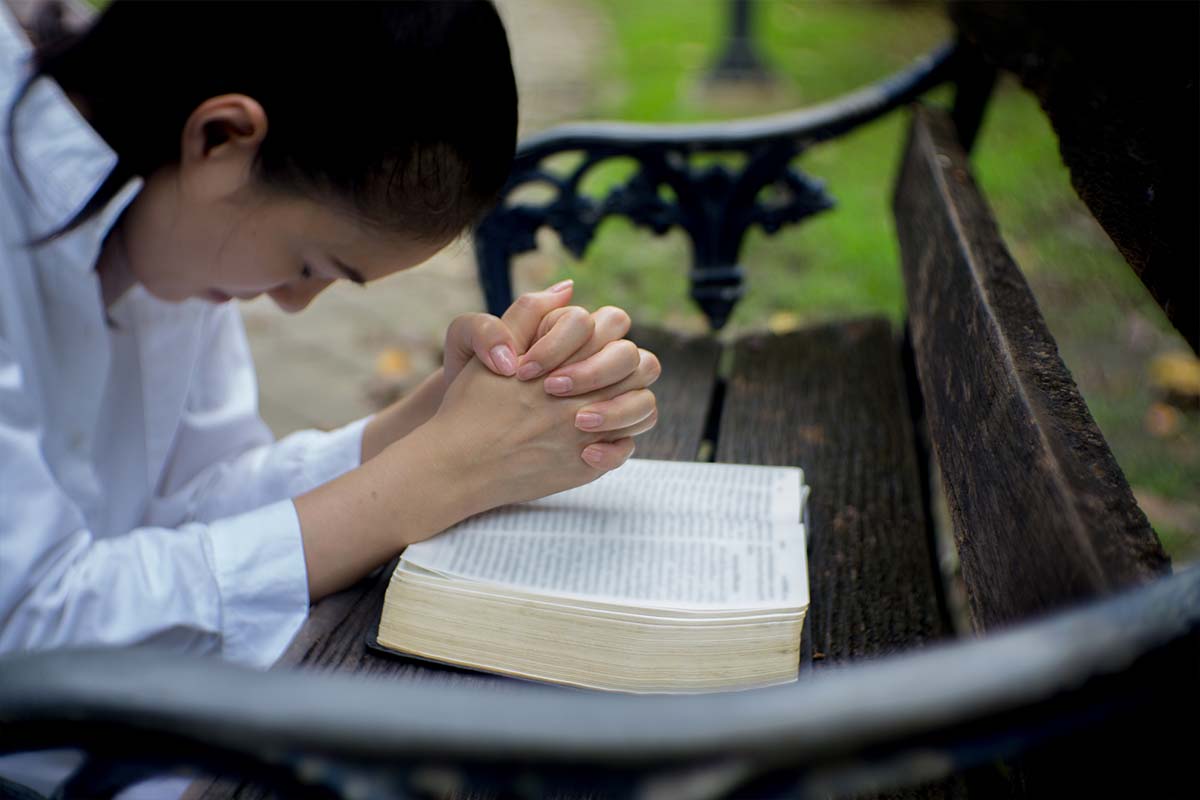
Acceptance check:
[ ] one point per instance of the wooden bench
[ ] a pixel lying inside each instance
(1083, 644)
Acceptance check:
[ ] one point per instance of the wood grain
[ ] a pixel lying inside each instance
(1043, 516)
(831, 400)
(1118, 82)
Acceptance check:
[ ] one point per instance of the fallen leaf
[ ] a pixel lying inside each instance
(1162, 420)
(782, 322)
(392, 362)
(1177, 374)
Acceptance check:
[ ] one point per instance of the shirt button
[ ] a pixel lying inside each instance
(76, 442)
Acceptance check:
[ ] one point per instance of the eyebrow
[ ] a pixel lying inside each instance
(349, 272)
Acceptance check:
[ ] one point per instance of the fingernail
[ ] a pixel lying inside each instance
(593, 456)
(504, 359)
(561, 286)
(560, 385)
(530, 369)
(588, 419)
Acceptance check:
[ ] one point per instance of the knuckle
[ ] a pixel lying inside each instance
(527, 302)
(548, 321)
(453, 333)
(650, 365)
(626, 350)
(618, 318)
(576, 313)
(579, 318)
(487, 325)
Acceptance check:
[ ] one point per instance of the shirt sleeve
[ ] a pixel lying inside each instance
(223, 460)
(236, 586)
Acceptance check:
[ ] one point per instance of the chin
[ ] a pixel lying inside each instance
(215, 296)
(173, 295)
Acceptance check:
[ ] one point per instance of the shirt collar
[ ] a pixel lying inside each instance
(62, 158)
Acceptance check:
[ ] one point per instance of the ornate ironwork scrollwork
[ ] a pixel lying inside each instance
(714, 204)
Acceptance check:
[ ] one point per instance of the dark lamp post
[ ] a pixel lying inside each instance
(739, 61)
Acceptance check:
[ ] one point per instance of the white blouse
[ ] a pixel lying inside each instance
(142, 499)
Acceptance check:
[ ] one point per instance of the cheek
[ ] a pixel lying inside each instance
(249, 260)
(164, 264)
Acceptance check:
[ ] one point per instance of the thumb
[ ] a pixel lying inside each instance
(481, 336)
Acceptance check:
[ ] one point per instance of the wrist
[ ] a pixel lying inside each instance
(412, 490)
(404, 416)
(446, 475)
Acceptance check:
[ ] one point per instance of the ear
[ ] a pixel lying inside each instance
(220, 141)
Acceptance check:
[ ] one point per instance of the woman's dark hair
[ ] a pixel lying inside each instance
(405, 113)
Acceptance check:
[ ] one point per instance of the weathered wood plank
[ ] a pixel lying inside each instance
(334, 636)
(831, 400)
(1042, 513)
(1118, 83)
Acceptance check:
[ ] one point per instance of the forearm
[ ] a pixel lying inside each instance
(403, 417)
(366, 517)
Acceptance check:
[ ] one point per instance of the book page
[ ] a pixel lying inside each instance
(652, 533)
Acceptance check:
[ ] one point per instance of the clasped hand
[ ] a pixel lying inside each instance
(547, 397)
(544, 399)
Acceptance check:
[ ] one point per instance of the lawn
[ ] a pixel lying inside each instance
(845, 262)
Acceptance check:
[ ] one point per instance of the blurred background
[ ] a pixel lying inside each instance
(355, 350)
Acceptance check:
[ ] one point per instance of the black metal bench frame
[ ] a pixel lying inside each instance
(1087, 637)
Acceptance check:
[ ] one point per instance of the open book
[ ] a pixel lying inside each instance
(660, 576)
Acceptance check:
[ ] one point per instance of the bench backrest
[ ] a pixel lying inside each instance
(1119, 84)
(1042, 514)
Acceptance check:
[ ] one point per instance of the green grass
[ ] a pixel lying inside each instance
(839, 263)
(845, 262)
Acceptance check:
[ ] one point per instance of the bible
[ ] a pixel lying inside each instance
(660, 576)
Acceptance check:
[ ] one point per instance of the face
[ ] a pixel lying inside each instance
(255, 242)
(205, 228)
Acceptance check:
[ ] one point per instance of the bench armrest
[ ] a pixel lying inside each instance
(908, 718)
(714, 205)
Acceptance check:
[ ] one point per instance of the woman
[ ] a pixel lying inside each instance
(176, 156)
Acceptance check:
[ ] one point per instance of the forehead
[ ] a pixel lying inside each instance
(325, 230)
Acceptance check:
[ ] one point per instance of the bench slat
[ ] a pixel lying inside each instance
(831, 401)
(1042, 513)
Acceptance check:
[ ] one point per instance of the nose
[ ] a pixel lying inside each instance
(296, 296)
